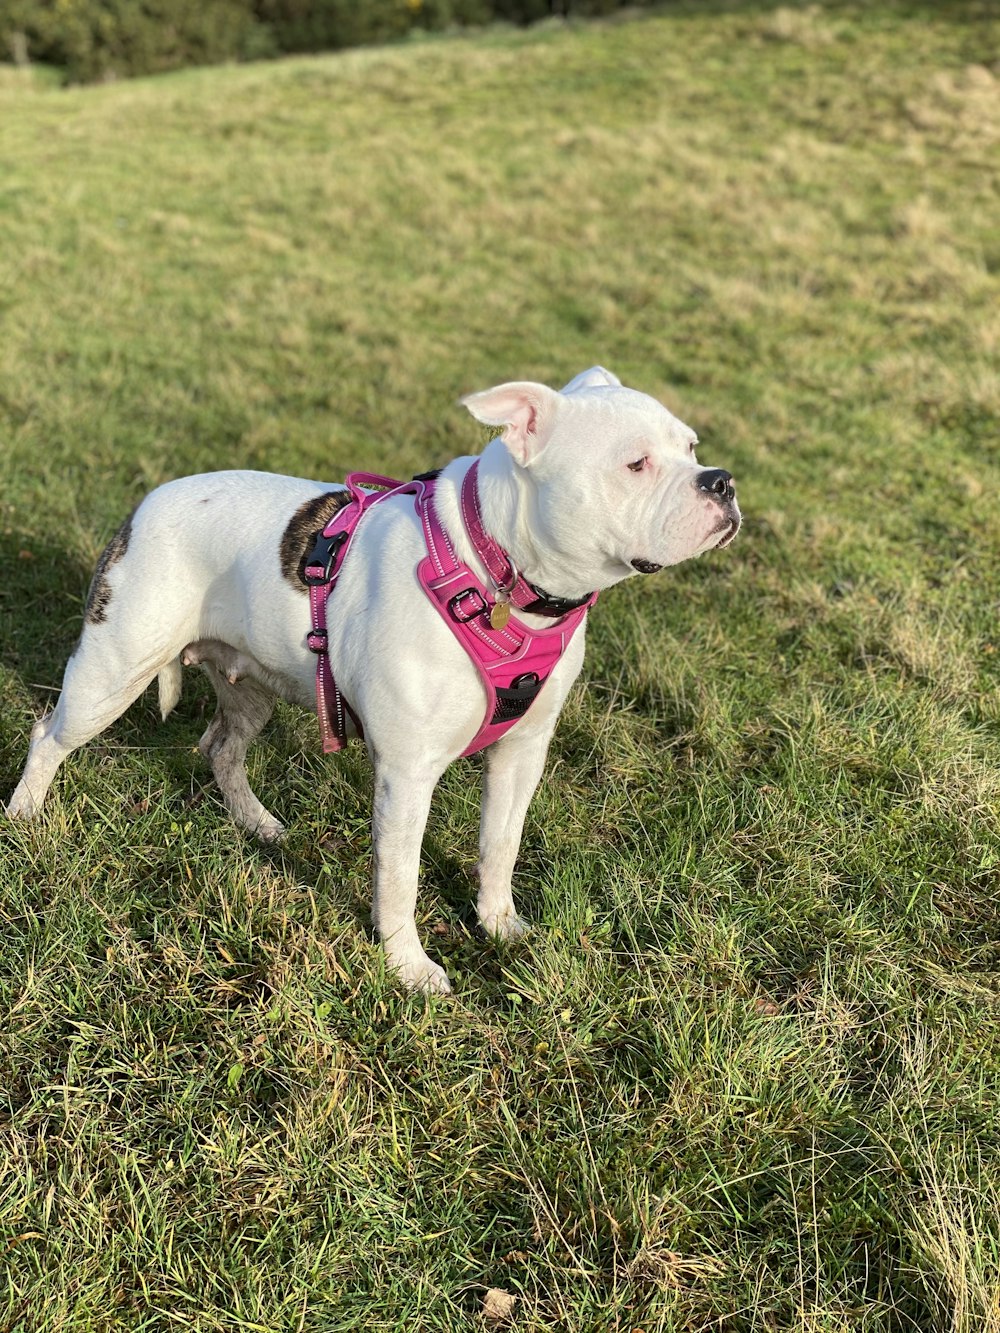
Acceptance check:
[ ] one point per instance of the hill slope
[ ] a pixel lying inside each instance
(743, 1075)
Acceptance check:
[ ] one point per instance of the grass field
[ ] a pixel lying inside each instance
(744, 1075)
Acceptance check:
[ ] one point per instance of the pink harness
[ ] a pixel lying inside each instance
(513, 660)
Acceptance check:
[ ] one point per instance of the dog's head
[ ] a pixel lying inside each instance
(614, 482)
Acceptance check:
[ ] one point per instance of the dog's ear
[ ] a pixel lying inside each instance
(594, 378)
(526, 410)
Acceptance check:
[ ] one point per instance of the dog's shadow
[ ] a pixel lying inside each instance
(43, 592)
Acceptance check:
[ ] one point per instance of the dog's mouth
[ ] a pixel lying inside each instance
(725, 533)
(729, 530)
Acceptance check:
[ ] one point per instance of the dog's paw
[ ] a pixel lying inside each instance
(504, 925)
(421, 974)
(270, 830)
(22, 805)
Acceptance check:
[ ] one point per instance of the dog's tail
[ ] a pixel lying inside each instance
(168, 679)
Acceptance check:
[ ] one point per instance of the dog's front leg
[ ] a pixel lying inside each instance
(513, 768)
(402, 801)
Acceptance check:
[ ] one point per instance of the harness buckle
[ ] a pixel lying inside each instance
(467, 605)
(322, 557)
(316, 640)
(527, 683)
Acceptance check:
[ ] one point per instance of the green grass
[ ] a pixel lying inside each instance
(744, 1074)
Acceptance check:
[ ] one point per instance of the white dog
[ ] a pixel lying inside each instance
(583, 488)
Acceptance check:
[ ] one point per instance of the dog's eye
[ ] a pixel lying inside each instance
(638, 465)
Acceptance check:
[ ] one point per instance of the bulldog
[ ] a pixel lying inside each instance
(580, 489)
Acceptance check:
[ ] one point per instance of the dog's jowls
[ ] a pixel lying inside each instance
(584, 488)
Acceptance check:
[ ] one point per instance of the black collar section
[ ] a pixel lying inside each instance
(547, 605)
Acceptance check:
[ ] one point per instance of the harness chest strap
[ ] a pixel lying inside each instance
(513, 660)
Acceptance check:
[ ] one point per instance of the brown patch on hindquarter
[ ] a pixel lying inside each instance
(99, 595)
(297, 539)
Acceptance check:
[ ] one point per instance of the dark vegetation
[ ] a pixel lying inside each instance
(93, 40)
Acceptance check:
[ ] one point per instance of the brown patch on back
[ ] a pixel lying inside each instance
(297, 539)
(99, 595)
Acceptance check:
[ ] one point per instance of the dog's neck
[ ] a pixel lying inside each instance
(511, 516)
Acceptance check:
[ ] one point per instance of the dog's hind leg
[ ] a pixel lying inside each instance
(98, 685)
(243, 710)
(128, 638)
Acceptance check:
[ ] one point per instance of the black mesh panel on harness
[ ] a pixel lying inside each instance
(515, 701)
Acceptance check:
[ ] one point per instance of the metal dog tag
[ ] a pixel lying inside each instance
(501, 611)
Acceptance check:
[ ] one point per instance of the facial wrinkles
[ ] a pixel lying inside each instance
(696, 516)
(653, 517)
(576, 552)
(655, 514)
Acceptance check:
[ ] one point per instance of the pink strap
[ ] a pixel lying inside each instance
(506, 577)
(331, 707)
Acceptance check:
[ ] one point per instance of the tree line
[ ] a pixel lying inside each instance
(92, 40)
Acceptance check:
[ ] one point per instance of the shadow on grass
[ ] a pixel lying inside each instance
(43, 593)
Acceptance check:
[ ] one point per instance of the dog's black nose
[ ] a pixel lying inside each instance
(718, 481)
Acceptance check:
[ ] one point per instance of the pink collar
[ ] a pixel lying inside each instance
(508, 581)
